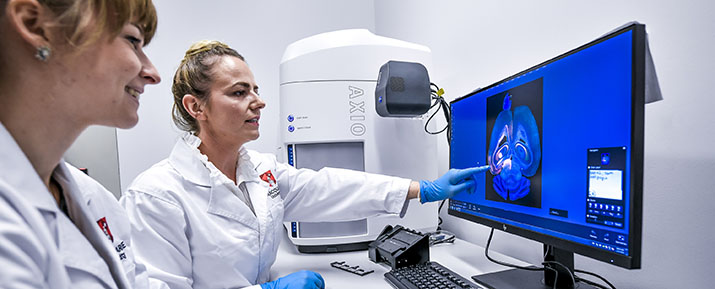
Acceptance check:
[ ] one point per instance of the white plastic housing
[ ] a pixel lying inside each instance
(327, 86)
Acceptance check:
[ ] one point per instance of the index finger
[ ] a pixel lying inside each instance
(465, 173)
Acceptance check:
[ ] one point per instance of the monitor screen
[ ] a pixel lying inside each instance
(564, 142)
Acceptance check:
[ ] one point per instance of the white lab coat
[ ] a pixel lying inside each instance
(40, 247)
(196, 233)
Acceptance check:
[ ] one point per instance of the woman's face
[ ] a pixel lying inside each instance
(233, 107)
(105, 80)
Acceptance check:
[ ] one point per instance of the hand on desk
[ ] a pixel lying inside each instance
(299, 280)
(449, 184)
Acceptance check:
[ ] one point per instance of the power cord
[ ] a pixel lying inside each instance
(440, 236)
(439, 218)
(548, 265)
(589, 282)
(594, 283)
(436, 94)
(486, 253)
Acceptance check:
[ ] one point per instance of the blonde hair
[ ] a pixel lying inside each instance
(194, 77)
(82, 22)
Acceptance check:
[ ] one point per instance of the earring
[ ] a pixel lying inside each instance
(43, 53)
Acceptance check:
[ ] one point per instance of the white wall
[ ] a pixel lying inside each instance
(96, 150)
(259, 30)
(475, 43)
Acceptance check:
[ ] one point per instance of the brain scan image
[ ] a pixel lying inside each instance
(514, 151)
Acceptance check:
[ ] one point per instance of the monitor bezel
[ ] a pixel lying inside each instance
(633, 260)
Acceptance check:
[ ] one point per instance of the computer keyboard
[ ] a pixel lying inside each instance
(428, 275)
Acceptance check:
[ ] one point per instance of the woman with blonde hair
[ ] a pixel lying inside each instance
(211, 215)
(66, 65)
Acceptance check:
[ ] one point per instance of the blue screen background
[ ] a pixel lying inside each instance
(587, 102)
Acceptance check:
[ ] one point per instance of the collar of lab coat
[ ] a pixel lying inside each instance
(186, 159)
(19, 176)
(19, 173)
(80, 208)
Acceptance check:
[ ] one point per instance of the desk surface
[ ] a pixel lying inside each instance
(461, 257)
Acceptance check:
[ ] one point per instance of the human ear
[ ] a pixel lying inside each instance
(193, 106)
(30, 20)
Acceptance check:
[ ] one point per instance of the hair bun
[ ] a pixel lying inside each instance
(203, 46)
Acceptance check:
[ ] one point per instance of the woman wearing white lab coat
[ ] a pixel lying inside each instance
(65, 65)
(210, 216)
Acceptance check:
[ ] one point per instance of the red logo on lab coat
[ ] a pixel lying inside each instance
(105, 228)
(268, 178)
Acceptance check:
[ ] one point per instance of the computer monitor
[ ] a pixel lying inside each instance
(564, 142)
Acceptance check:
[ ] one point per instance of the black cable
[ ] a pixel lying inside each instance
(486, 253)
(573, 278)
(439, 100)
(571, 273)
(439, 218)
(595, 275)
(556, 272)
(432, 84)
(589, 282)
(444, 106)
(449, 239)
(447, 117)
(556, 275)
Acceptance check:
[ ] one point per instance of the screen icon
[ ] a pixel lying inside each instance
(605, 159)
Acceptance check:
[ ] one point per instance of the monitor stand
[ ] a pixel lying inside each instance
(525, 279)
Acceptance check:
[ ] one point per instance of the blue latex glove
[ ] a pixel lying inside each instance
(299, 280)
(449, 184)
